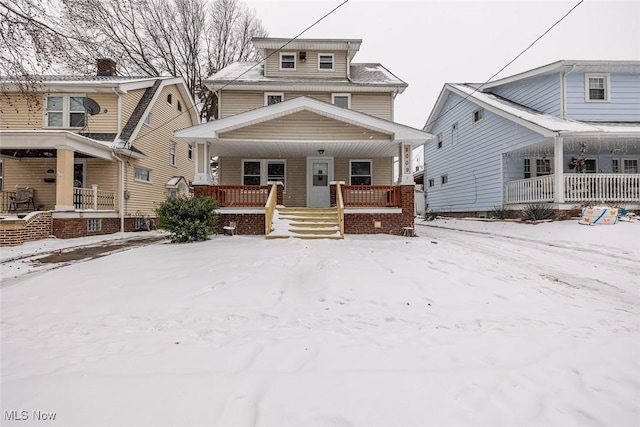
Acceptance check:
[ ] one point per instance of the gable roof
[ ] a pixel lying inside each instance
(567, 65)
(286, 44)
(213, 129)
(545, 124)
(250, 75)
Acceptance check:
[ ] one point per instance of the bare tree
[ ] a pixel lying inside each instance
(188, 38)
(29, 45)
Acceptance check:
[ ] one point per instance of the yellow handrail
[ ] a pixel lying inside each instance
(270, 207)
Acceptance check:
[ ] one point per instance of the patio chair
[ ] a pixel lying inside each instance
(23, 196)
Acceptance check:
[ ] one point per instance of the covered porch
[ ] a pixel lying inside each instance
(575, 170)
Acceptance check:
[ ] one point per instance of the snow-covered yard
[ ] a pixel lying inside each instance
(506, 325)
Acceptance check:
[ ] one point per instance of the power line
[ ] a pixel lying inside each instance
(257, 63)
(509, 63)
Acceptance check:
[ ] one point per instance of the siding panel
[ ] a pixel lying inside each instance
(624, 104)
(308, 68)
(540, 93)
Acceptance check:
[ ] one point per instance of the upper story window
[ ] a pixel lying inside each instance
(325, 61)
(172, 153)
(431, 182)
(169, 99)
(65, 111)
(596, 87)
(341, 99)
(271, 98)
(439, 139)
(147, 119)
(179, 107)
(1, 173)
(454, 133)
(360, 172)
(287, 61)
(190, 152)
(478, 115)
(444, 179)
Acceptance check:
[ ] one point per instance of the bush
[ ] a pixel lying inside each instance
(537, 212)
(499, 212)
(431, 215)
(188, 219)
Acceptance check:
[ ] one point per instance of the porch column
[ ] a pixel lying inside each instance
(406, 164)
(203, 169)
(558, 170)
(64, 180)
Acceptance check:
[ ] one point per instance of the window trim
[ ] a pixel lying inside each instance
(607, 87)
(135, 178)
(173, 155)
(444, 179)
(190, 152)
(264, 170)
(147, 119)
(170, 98)
(66, 111)
(295, 62)
(97, 222)
(431, 182)
(533, 167)
(347, 95)
(1, 174)
(622, 165)
(439, 141)
(268, 94)
(370, 161)
(179, 106)
(333, 62)
(479, 113)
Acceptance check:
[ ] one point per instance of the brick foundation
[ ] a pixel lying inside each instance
(18, 231)
(249, 224)
(68, 228)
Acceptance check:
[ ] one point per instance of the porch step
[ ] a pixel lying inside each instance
(305, 223)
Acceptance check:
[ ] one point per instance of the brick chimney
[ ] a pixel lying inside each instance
(106, 67)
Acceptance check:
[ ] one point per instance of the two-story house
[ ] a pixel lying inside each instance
(93, 154)
(566, 134)
(307, 116)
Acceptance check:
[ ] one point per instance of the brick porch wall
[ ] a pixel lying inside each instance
(248, 224)
(17, 232)
(390, 223)
(67, 228)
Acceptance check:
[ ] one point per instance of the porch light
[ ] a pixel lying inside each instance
(321, 152)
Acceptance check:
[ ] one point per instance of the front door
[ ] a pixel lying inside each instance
(319, 174)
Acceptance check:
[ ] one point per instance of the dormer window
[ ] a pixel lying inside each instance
(287, 61)
(325, 61)
(596, 87)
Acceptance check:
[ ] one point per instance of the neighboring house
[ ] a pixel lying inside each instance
(97, 153)
(566, 134)
(306, 116)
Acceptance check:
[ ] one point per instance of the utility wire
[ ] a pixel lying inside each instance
(509, 63)
(257, 63)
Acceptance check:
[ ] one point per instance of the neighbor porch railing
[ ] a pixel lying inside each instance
(92, 198)
(240, 195)
(616, 187)
(578, 187)
(371, 195)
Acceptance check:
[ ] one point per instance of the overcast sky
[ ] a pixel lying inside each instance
(428, 43)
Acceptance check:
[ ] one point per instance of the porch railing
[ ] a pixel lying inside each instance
(270, 207)
(92, 198)
(7, 197)
(240, 195)
(530, 190)
(578, 187)
(371, 195)
(340, 206)
(616, 187)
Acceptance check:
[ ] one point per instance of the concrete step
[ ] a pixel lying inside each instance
(307, 223)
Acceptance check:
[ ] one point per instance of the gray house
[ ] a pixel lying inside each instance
(566, 134)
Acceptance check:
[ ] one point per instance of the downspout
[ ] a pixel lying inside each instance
(113, 154)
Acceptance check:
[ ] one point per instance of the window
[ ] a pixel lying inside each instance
(287, 61)
(147, 119)
(590, 166)
(360, 172)
(169, 98)
(542, 167)
(325, 61)
(94, 225)
(251, 172)
(341, 99)
(454, 133)
(271, 98)
(478, 115)
(439, 139)
(444, 179)
(173, 193)
(190, 152)
(179, 107)
(630, 166)
(1, 174)
(260, 172)
(142, 174)
(596, 87)
(432, 182)
(172, 153)
(65, 111)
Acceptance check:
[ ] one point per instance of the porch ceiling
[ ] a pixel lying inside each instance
(594, 145)
(291, 149)
(53, 140)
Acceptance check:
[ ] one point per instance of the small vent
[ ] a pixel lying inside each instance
(303, 56)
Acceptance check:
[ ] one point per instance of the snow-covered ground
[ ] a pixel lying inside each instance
(505, 324)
